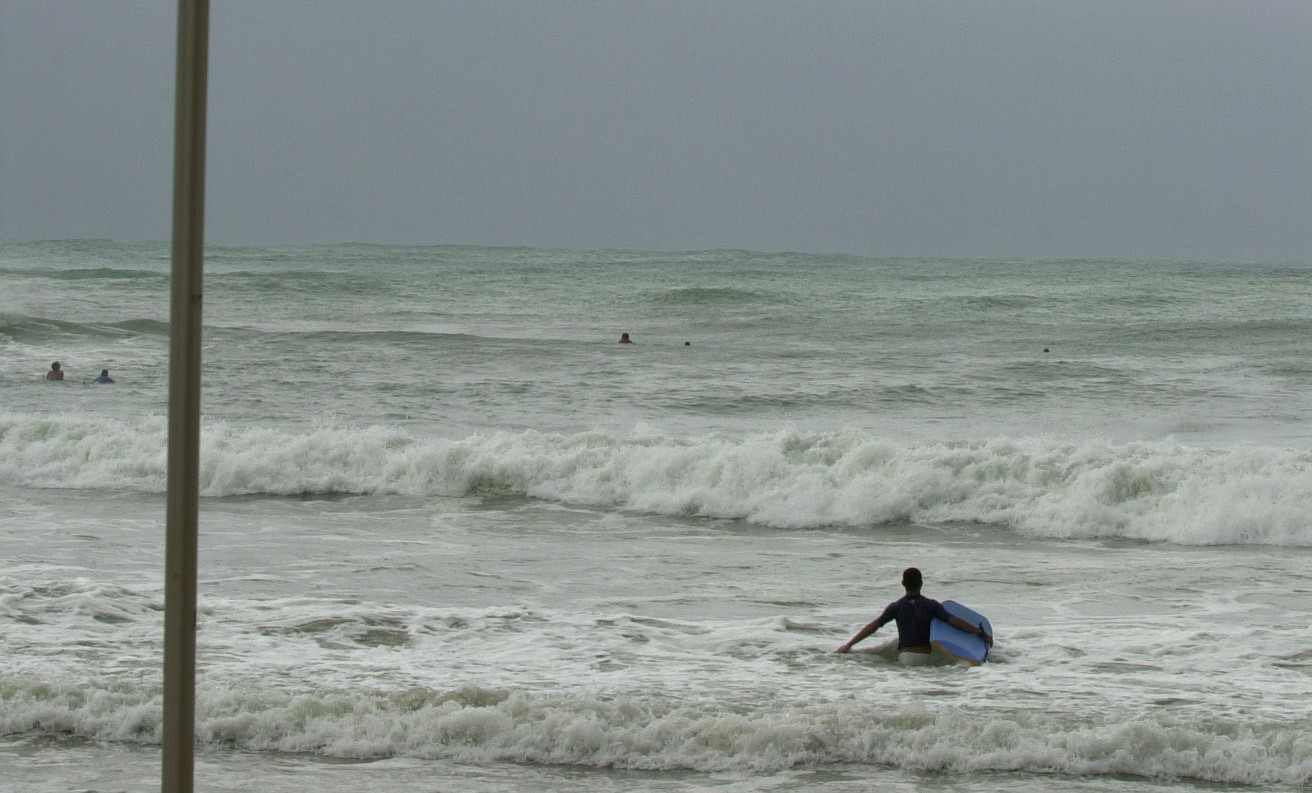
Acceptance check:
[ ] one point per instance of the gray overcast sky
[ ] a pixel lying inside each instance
(1099, 128)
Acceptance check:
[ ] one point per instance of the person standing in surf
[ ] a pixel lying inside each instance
(913, 613)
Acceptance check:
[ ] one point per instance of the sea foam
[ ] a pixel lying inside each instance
(649, 732)
(1159, 491)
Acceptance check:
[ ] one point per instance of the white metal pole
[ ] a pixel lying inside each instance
(184, 397)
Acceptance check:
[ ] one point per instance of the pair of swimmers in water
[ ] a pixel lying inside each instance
(57, 373)
(624, 339)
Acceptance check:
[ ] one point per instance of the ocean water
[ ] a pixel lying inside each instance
(455, 538)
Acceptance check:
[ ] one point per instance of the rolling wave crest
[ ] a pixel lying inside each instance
(1156, 491)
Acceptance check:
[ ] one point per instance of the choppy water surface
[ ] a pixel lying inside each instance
(455, 537)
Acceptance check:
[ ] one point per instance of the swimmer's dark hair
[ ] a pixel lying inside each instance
(911, 578)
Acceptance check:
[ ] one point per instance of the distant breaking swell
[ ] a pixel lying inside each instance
(1157, 491)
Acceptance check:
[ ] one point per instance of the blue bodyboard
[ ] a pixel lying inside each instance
(956, 642)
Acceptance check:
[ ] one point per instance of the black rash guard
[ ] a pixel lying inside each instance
(913, 614)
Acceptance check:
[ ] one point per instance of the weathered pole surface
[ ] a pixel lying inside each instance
(179, 725)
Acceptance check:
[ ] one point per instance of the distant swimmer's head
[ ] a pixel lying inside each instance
(104, 373)
(55, 366)
(624, 339)
(911, 579)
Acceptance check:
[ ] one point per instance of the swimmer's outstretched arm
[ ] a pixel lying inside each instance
(870, 628)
